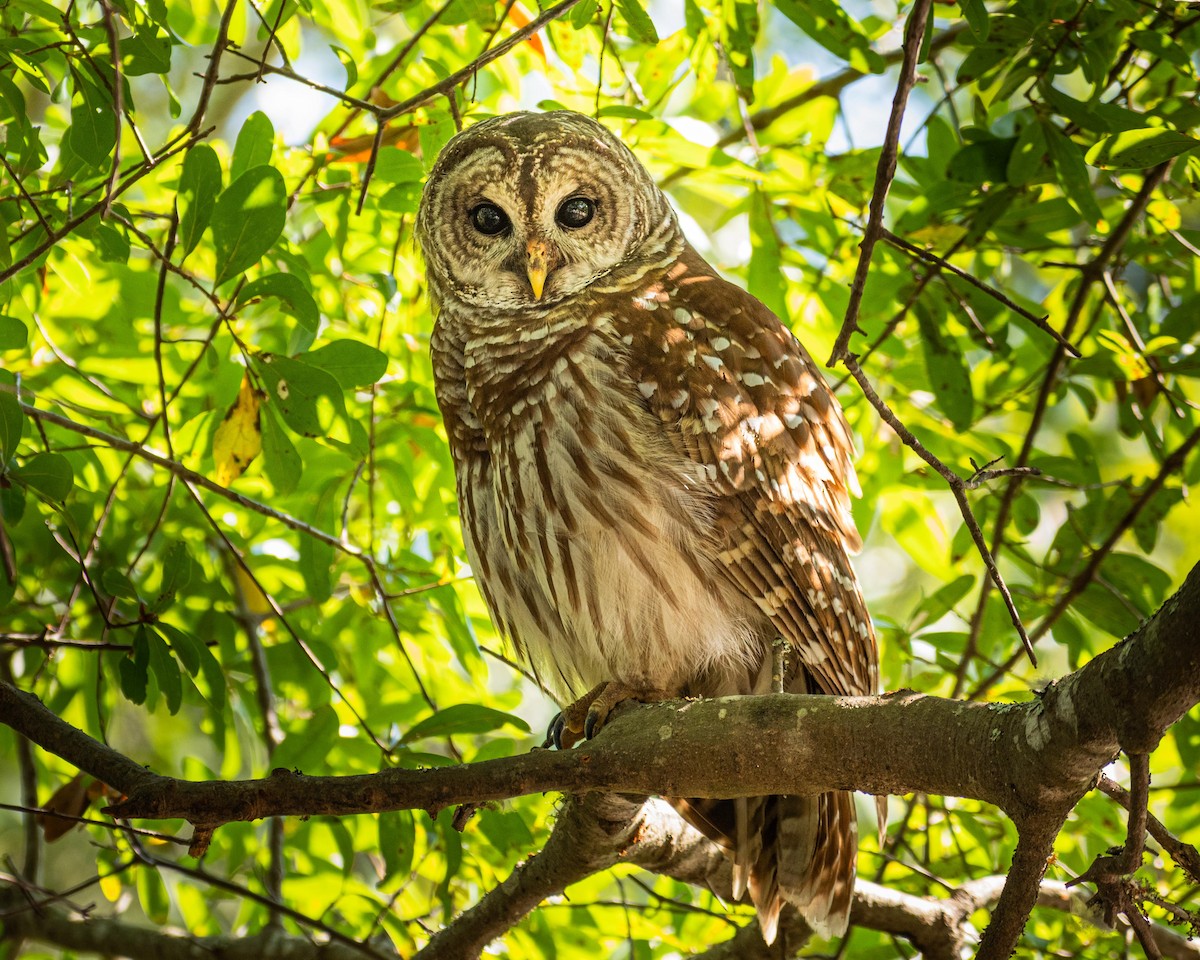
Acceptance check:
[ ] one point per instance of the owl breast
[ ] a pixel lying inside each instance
(593, 542)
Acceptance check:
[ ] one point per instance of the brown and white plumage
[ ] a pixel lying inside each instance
(653, 477)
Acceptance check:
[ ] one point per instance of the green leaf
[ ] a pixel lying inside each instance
(248, 219)
(280, 460)
(176, 572)
(462, 718)
(111, 244)
(765, 275)
(255, 142)
(348, 62)
(624, 112)
(116, 584)
(641, 27)
(309, 399)
(132, 669)
(1072, 173)
(942, 600)
(985, 161)
(834, 29)
(93, 123)
(1106, 611)
(459, 632)
(949, 379)
(1139, 149)
(352, 363)
(152, 894)
(397, 842)
(165, 669)
(306, 747)
(188, 649)
(49, 474)
(12, 426)
(394, 165)
(13, 333)
(977, 17)
(12, 505)
(316, 556)
(148, 52)
(1028, 154)
(290, 291)
(191, 650)
(199, 185)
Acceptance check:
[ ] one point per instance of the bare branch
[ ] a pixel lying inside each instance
(1042, 323)
(957, 486)
(1184, 854)
(1031, 757)
(914, 38)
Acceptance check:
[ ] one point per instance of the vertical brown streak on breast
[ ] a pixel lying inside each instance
(568, 568)
(532, 605)
(589, 393)
(544, 535)
(476, 535)
(512, 495)
(583, 466)
(541, 442)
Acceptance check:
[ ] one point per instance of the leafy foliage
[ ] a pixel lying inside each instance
(171, 264)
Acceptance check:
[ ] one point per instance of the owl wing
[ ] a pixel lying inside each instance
(745, 403)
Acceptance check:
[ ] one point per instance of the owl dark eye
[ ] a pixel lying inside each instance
(489, 219)
(575, 213)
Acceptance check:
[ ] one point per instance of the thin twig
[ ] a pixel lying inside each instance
(25, 193)
(443, 87)
(913, 40)
(1042, 323)
(1091, 273)
(73, 224)
(118, 95)
(1172, 464)
(290, 74)
(1186, 856)
(957, 487)
(214, 67)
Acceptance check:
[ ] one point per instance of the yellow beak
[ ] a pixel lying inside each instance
(538, 266)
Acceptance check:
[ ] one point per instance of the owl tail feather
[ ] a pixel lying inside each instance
(799, 850)
(821, 885)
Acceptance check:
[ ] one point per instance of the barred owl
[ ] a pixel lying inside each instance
(653, 477)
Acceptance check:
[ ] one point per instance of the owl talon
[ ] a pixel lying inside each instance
(584, 718)
(558, 734)
(595, 720)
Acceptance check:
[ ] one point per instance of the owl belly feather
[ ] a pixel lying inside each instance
(596, 567)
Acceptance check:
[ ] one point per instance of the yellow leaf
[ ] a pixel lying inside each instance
(110, 886)
(249, 593)
(238, 439)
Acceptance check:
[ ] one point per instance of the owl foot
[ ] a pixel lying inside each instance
(583, 719)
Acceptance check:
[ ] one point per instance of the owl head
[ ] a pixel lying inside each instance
(525, 210)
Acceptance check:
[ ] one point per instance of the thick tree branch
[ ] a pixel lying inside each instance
(1032, 759)
(111, 937)
(1024, 758)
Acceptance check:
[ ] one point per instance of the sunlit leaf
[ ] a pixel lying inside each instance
(199, 185)
(462, 718)
(49, 474)
(12, 425)
(352, 363)
(1138, 149)
(247, 220)
(238, 440)
(254, 144)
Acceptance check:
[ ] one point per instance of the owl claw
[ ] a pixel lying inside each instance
(584, 718)
(554, 734)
